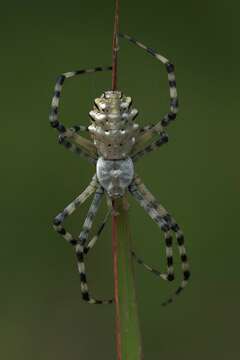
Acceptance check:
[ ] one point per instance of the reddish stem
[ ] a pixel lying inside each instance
(115, 47)
(114, 218)
(116, 287)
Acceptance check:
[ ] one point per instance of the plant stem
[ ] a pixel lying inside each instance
(115, 47)
(128, 339)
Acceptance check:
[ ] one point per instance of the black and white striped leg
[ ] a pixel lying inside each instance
(145, 128)
(171, 115)
(80, 248)
(100, 229)
(76, 149)
(58, 226)
(183, 255)
(54, 114)
(169, 275)
(153, 203)
(163, 139)
(71, 131)
(69, 210)
(64, 139)
(67, 133)
(59, 219)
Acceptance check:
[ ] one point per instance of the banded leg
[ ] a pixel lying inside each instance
(54, 120)
(149, 199)
(71, 131)
(169, 275)
(93, 241)
(69, 210)
(171, 115)
(80, 248)
(85, 144)
(146, 128)
(65, 140)
(77, 150)
(163, 139)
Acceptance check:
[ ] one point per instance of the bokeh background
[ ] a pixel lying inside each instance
(196, 176)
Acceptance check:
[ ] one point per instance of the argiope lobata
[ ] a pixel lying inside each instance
(118, 142)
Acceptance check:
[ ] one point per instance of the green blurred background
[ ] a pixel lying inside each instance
(196, 176)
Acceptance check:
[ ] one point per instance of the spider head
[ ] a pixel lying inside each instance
(115, 176)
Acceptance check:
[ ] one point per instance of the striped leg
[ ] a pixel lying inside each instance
(80, 248)
(66, 137)
(169, 275)
(59, 219)
(79, 243)
(151, 201)
(163, 139)
(93, 241)
(54, 113)
(76, 149)
(171, 115)
(144, 129)
(71, 131)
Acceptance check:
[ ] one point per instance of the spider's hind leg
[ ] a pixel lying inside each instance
(140, 148)
(68, 136)
(182, 252)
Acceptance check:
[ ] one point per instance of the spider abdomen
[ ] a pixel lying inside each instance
(113, 129)
(115, 175)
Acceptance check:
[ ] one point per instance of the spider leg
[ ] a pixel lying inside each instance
(61, 217)
(169, 275)
(76, 243)
(94, 239)
(79, 248)
(157, 212)
(164, 226)
(171, 115)
(163, 139)
(145, 128)
(76, 149)
(158, 128)
(85, 146)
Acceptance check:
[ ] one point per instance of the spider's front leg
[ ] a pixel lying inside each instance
(80, 248)
(164, 226)
(69, 136)
(160, 215)
(80, 244)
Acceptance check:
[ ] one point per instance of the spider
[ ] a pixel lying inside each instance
(117, 143)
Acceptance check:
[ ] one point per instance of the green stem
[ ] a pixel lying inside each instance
(128, 339)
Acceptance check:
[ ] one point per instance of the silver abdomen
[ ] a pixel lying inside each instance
(113, 129)
(115, 175)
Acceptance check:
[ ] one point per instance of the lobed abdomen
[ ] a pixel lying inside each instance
(113, 129)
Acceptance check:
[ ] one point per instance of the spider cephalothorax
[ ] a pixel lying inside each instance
(113, 129)
(116, 143)
(115, 175)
